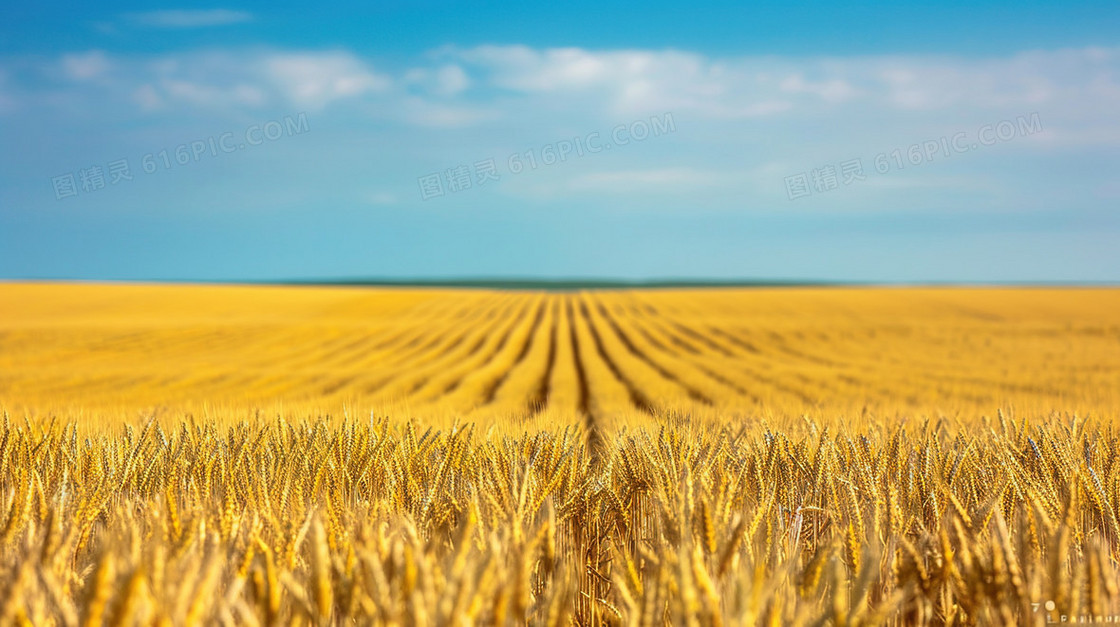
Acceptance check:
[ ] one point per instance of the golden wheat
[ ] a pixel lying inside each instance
(334, 456)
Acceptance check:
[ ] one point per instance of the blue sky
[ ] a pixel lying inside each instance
(823, 141)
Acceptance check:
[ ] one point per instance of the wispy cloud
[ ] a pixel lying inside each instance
(629, 82)
(1078, 89)
(742, 125)
(189, 18)
(216, 79)
(85, 66)
(316, 79)
(447, 80)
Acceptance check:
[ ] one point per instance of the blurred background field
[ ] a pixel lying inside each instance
(125, 352)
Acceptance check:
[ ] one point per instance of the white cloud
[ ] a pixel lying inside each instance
(447, 80)
(450, 80)
(1024, 79)
(632, 82)
(315, 79)
(834, 90)
(86, 66)
(208, 95)
(233, 79)
(189, 18)
(147, 97)
(579, 90)
(421, 112)
(626, 82)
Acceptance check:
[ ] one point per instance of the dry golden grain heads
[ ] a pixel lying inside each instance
(852, 548)
(729, 554)
(321, 571)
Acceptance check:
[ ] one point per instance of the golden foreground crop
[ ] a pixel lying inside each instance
(255, 455)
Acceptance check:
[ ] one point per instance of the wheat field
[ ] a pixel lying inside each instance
(315, 455)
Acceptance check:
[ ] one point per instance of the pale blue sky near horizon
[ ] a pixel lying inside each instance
(864, 142)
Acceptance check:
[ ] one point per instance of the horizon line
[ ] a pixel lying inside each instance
(572, 283)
